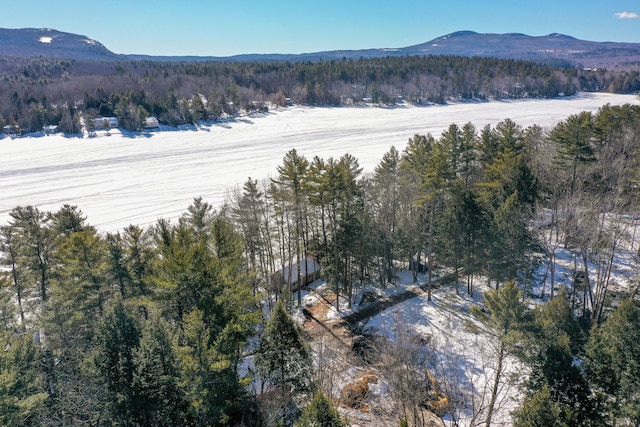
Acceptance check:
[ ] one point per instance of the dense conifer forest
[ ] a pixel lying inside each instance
(155, 326)
(38, 92)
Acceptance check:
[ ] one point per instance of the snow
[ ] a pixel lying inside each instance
(120, 178)
(307, 267)
(45, 40)
(462, 350)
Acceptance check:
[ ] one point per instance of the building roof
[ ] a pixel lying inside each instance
(308, 266)
(151, 122)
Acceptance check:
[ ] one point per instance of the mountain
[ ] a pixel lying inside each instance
(46, 42)
(553, 49)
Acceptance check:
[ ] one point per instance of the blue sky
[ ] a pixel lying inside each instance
(224, 28)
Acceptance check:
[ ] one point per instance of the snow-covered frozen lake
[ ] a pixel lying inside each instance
(118, 179)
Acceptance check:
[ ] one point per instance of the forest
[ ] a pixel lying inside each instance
(39, 92)
(156, 326)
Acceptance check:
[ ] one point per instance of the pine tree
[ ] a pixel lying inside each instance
(468, 162)
(22, 389)
(9, 258)
(506, 317)
(538, 410)
(508, 191)
(509, 136)
(556, 342)
(210, 381)
(574, 137)
(283, 358)
(292, 175)
(117, 341)
(246, 214)
(413, 165)
(205, 270)
(36, 244)
(613, 362)
(386, 202)
(342, 240)
(438, 176)
(81, 281)
(320, 413)
(159, 401)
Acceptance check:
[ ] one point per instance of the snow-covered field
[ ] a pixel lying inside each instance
(121, 179)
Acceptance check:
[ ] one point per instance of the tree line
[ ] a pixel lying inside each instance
(482, 200)
(143, 328)
(155, 326)
(67, 93)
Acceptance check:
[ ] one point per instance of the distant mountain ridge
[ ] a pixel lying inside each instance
(47, 42)
(554, 49)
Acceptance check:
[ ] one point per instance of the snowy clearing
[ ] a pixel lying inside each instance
(119, 179)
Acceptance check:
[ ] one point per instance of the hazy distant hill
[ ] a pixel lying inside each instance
(47, 42)
(553, 49)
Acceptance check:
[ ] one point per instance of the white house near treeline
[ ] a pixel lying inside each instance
(309, 271)
(99, 122)
(151, 123)
(49, 129)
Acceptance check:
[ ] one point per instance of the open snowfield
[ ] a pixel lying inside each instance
(121, 179)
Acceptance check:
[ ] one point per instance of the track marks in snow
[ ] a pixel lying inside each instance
(120, 179)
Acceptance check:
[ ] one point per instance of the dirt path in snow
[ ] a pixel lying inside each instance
(335, 338)
(382, 304)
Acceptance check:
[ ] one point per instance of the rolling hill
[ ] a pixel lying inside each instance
(47, 42)
(553, 49)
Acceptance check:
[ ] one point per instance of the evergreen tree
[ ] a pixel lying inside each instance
(138, 256)
(159, 400)
(413, 165)
(506, 317)
(116, 343)
(508, 191)
(283, 358)
(509, 136)
(613, 362)
(215, 393)
(574, 138)
(81, 282)
(320, 413)
(117, 263)
(8, 318)
(69, 219)
(292, 175)
(460, 225)
(35, 244)
(341, 196)
(386, 202)
(22, 388)
(468, 161)
(9, 258)
(488, 145)
(205, 270)
(538, 410)
(557, 341)
(247, 215)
